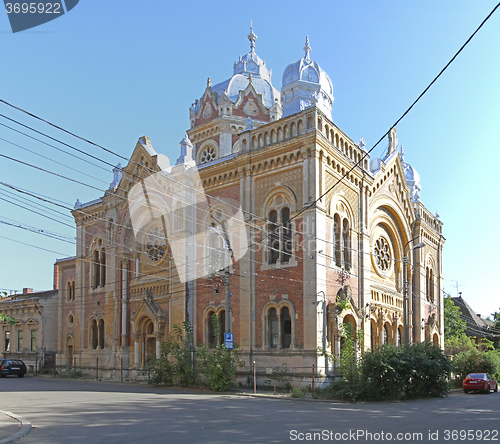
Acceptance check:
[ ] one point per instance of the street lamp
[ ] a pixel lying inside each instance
(405, 288)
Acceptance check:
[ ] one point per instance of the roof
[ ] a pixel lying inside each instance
(476, 325)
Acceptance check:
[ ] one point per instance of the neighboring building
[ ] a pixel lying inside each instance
(34, 337)
(477, 327)
(274, 155)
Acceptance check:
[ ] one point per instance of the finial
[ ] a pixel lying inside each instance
(209, 82)
(252, 37)
(307, 48)
(402, 153)
(250, 78)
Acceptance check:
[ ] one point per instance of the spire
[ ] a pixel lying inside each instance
(307, 48)
(252, 37)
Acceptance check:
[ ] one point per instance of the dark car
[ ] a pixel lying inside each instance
(12, 367)
(479, 382)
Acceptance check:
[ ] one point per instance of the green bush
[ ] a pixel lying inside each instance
(297, 392)
(176, 364)
(180, 362)
(476, 361)
(395, 373)
(219, 366)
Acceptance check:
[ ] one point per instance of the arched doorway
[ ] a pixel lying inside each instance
(147, 341)
(435, 339)
(348, 345)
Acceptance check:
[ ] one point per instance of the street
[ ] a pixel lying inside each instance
(63, 411)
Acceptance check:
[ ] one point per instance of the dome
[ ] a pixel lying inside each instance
(306, 84)
(248, 68)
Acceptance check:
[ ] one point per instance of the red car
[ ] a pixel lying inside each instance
(480, 382)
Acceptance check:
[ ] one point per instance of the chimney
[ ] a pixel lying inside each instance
(27, 290)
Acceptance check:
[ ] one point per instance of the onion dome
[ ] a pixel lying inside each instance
(249, 68)
(305, 84)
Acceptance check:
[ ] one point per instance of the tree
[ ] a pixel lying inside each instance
(454, 326)
(3, 316)
(496, 329)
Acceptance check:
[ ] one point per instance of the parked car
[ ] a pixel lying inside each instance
(12, 367)
(479, 382)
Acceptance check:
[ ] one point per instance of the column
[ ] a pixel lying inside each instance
(124, 341)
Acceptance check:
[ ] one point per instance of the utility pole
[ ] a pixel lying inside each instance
(225, 240)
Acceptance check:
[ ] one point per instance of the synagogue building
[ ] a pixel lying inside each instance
(272, 224)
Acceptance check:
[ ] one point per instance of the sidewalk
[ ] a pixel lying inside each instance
(12, 427)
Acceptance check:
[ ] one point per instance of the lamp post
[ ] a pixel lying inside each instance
(405, 288)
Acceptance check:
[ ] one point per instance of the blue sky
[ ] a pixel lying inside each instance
(114, 71)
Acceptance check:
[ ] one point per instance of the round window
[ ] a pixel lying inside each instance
(155, 244)
(382, 253)
(207, 155)
(70, 319)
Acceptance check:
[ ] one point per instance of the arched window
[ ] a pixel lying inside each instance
(103, 267)
(336, 237)
(429, 284)
(273, 328)
(100, 333)
(210, 329)
(346, 245)
(279, 327)
(386, 335)
(98, 265)
(341, 242)
(399, 339)
(274, 237)
(286, 328)
(96, 275)
(217, 252)
(68, 292)
(280, 236)
(215, 333)
(93, 334)
(286, 235)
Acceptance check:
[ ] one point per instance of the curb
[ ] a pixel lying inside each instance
(25, 428)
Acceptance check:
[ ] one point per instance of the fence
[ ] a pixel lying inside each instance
(257, 377)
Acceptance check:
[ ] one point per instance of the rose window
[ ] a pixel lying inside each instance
(207, 155)
(382, 254)
(155, 244)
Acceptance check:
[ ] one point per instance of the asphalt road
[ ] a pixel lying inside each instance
(71, 411)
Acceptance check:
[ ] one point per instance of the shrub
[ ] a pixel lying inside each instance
(176, 364)
(219, 366)
(476, 361)
(394, 373)
(179, 361)
(297, 392)
(218, 363)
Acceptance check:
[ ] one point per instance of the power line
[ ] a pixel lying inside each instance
(404, 114)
